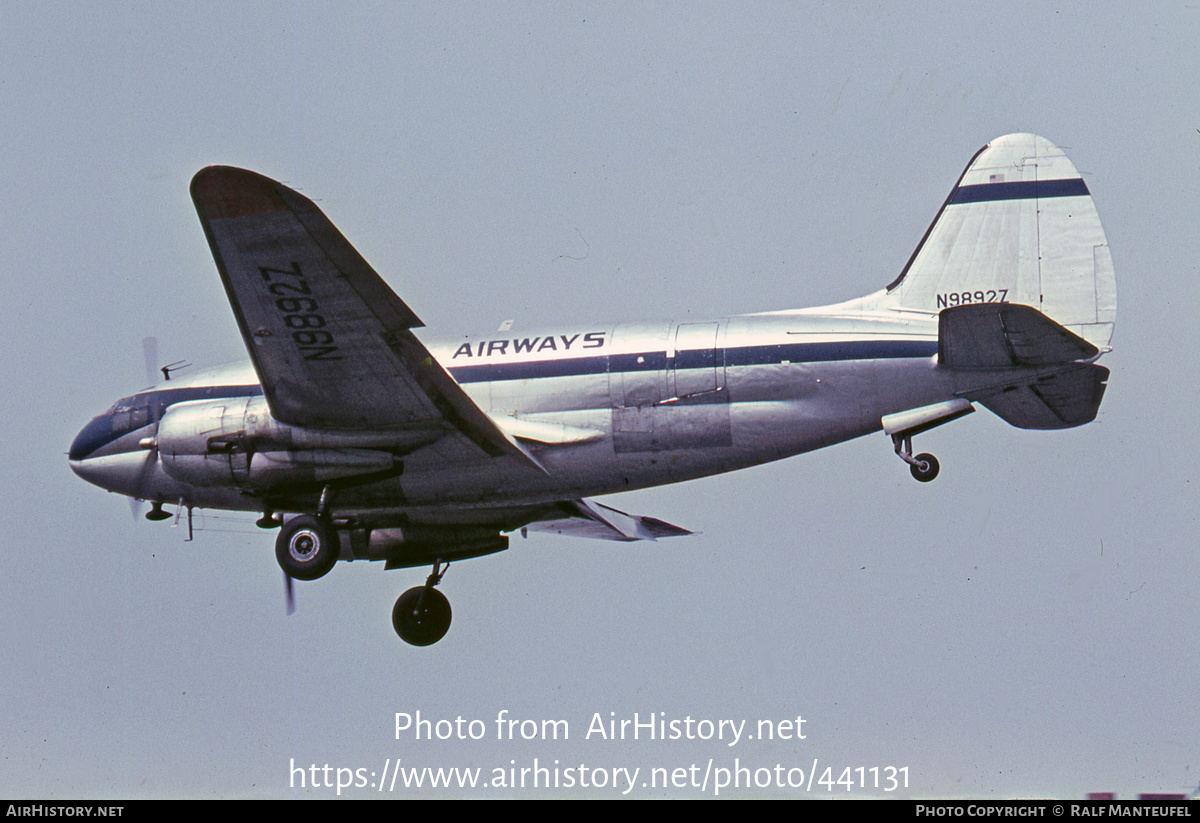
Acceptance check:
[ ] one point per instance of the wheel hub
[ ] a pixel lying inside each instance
(303, 545)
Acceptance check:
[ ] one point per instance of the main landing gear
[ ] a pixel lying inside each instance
(421, 615)
(307, 547)
(924, 466)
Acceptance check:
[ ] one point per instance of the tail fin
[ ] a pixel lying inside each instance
(1019, 227)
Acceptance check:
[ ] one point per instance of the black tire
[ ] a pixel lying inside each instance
(421, 616)
(307, 547)
(926, 467)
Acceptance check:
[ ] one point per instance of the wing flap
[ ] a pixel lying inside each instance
(586, 518)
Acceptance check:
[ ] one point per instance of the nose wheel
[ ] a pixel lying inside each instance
(421, 615)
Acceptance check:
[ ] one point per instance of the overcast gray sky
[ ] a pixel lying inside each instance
(1025, 625)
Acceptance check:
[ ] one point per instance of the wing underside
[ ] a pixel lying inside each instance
(587, 518)
(434, 535)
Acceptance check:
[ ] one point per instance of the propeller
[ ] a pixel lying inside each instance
(150, 357)
(135, 503)
(153, 370)
(289, 595)
(150, 353)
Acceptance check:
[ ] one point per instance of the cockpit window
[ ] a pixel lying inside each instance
(126, 420)
(139, 410)
(124, 404)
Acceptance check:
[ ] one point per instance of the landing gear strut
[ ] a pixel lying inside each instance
(924, 466)
(421, 615)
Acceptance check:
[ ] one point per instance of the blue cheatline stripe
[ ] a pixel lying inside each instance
(706, 358)
(488, 372)
(828, 352)
(1021, 190)
(166, 397)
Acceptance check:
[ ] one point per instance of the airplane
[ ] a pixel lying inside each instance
(359, 441)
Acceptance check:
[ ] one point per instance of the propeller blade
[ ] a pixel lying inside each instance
(150, 353)
(289, 594)
(146, 472)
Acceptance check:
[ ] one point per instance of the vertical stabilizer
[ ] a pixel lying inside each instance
(1020, 227)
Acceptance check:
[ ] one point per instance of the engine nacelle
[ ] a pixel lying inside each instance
(236, 442)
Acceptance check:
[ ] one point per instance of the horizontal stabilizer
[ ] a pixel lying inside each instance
(1001, 335)
(585, 518)
(1056, 401)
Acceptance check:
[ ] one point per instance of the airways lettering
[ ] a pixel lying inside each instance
(504, 348)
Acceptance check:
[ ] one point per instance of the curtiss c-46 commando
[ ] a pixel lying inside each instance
(360, 441)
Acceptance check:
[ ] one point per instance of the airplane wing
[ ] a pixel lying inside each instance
(586, 518)
(439, 536)
(331, 342)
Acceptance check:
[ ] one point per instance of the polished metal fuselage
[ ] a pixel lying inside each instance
(603, 409)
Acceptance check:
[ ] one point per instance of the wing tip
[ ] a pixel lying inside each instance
(225, 191)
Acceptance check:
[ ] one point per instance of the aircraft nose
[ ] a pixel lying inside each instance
(109, 468)
(109, 450)
(125, 472)
(91, 437)
(90, 470)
